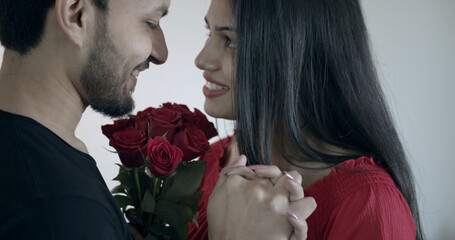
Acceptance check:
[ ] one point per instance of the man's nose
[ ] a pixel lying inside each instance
(159, 48)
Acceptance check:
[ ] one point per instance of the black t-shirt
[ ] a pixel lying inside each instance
(50, 190)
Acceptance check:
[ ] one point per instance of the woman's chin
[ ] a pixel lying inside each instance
(216, 110)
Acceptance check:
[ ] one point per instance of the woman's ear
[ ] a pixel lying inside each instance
(72, 17)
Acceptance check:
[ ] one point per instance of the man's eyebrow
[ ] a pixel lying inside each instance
(220, 28)
(163, 9)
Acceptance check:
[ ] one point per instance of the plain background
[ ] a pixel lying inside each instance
(412, 42)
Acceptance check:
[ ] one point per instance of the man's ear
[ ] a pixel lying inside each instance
(72, 17)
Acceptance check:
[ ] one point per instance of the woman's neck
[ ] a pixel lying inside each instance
(311, 171)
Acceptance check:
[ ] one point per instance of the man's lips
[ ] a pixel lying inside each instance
(140, 68)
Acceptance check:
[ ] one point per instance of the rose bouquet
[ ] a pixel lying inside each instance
(157, 178)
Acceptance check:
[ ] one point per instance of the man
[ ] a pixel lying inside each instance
(61, 57)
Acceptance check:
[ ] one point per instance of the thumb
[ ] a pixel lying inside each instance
(237, 162)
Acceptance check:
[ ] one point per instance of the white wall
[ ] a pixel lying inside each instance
(413, 44)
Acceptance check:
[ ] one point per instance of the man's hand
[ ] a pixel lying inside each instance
(134, 228)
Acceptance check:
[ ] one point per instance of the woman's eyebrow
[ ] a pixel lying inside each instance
(220, 28)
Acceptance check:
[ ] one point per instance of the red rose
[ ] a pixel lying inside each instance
(164, 158)
(183, 109)
(118, 125)
(197, 118)
(141, 120)
(203, 123)
(192, 141)
(159, 122)
(130, 145)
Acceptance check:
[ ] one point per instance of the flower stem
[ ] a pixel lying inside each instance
(138, 185)
(156, 182)
(155, 187)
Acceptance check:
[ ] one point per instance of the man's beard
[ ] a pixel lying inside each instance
(106, 90)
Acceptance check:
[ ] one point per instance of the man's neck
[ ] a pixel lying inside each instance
(40, 88)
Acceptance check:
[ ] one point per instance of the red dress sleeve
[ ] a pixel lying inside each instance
(378, 212)
(359, 204)
(212, 171)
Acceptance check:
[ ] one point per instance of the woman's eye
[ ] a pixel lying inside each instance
(230, 43)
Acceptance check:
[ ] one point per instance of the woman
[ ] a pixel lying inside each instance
(298, 78)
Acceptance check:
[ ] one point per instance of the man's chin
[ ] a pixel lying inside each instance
(114, 110)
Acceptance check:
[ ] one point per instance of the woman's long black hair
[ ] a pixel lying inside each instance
(306, 64)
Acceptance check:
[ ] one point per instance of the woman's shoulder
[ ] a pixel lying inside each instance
(360, 192)
(355, 176)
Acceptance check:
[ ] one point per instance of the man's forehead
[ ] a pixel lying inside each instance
(151, 7)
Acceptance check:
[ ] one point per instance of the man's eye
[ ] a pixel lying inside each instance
(152, 25)
(209, 34)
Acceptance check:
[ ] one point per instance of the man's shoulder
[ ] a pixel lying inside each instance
(26, 144)
(36, 164)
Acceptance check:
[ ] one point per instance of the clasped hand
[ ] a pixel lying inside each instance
(258, 202)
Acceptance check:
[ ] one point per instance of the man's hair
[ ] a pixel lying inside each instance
(22, 22)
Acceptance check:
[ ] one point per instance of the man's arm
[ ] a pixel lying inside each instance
(67, 217)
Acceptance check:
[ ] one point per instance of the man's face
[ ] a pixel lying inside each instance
(127, 37)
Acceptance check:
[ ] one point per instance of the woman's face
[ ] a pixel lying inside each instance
(216, 60)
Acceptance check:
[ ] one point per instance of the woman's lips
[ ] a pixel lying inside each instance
(213, 89)
(210, 79)
(208, 93)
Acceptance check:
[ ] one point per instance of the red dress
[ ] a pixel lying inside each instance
(213, 167)
(359, 204)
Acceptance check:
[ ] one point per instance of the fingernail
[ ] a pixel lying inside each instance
(227, 170)
(256, 167)
(290, 177)
(293, 215)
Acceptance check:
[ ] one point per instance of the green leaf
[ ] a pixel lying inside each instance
(160, 230)
(148, 203)
(150, 237)
(188, 176)
(174, 214)
(167, 184)
(165, 135)
(146, 181)
(192, 201)
(124, 201)
(111, 151)
(124, 177)
(118, 189)
(183, 231)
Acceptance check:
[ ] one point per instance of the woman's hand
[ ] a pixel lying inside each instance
(258, 202)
